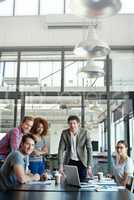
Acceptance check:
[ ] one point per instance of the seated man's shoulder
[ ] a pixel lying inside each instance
(15, 154)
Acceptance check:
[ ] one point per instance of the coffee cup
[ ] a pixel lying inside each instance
(57, 178)
(100, 175)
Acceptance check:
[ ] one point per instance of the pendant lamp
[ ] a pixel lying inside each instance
(92, 47)
(95, 8)
(93, 70)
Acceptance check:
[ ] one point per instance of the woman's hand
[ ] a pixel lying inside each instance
(44, 177)
(36, 152)
(36, 177)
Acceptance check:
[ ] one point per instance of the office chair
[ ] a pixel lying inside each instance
(132, 185)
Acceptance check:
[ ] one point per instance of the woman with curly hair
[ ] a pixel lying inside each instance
(36, 160)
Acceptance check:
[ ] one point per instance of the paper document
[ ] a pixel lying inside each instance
(103, 182)
(109, 188)
(106, 189)
(40, 182)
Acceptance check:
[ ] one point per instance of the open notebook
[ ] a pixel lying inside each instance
(72, 177)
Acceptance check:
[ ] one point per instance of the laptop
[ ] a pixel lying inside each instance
(72, 177)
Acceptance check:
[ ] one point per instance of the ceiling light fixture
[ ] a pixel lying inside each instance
(95, 8)
(93, 70)
(92, 47)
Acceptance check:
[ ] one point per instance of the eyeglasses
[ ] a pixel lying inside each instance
(119, 147)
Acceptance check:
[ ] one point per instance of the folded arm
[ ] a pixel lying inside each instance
(22, 177)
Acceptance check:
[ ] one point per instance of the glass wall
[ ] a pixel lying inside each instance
(8, 71)
(40, 70)
(75, 78)
(56, 110)
(50, 84)
(6, 114)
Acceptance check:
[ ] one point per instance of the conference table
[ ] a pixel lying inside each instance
(61, 192)
(65, 195)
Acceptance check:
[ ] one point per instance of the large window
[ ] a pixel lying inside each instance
(26, 7)
(51, 7)
(45, 7)
(122, 70)
(131, 129)
(8, 71)
(49, 83)
(40, 70)
(56, 110)
(75, 77)
(6, 8)
(127, 7)
(6, 114)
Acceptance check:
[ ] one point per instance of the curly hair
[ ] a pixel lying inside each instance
(37, 122)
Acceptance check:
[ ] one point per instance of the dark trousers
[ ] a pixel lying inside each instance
(82, 170)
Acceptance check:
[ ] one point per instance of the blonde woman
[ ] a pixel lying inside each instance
(123, 168)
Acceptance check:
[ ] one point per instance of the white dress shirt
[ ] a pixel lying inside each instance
(73, 147)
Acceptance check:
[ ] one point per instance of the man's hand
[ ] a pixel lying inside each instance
(89, 171)
(61, 169)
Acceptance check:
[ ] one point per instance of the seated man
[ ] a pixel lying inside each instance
(13, 172)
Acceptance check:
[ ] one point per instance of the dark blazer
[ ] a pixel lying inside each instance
(83, 147)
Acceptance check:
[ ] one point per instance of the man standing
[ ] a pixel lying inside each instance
(13, 171)
(75, 148)
(11, 141)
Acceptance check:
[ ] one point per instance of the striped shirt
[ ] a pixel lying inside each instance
(38, 145)
(10, 142)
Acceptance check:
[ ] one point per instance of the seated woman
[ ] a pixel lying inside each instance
(36, 160)
(123, 168)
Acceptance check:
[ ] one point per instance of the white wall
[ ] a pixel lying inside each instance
(32, 31)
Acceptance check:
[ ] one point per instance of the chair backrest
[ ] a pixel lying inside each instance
(132, 186)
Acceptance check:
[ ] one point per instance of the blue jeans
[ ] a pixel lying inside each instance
(37, 167)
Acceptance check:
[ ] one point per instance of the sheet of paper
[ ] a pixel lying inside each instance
(40, 182)
(109, 188)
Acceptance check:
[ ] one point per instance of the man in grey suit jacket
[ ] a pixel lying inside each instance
(75, 148)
